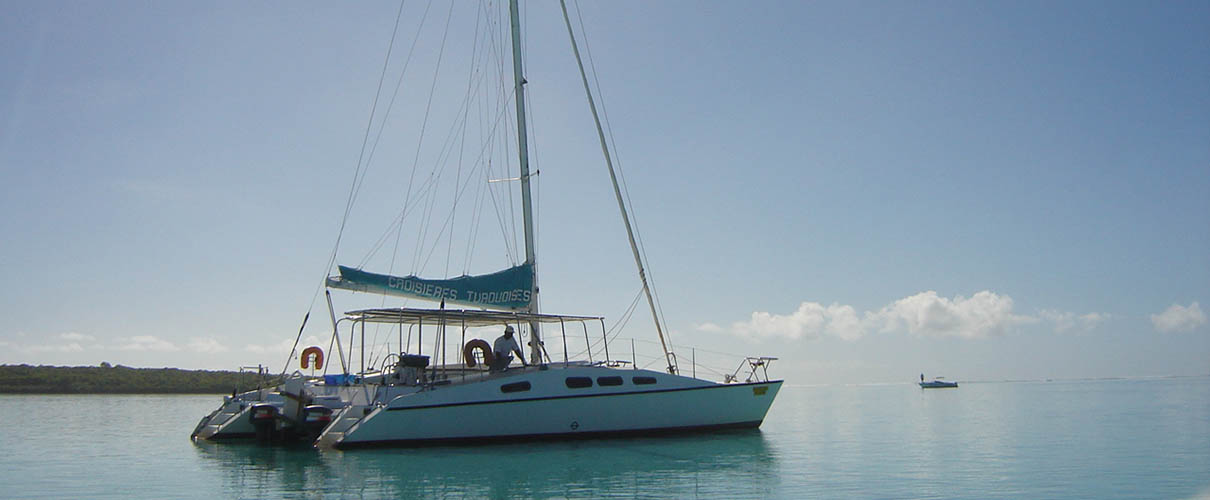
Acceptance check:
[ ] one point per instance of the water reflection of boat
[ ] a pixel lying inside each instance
(714, 466)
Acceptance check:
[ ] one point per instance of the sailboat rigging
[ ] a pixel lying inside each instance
(418, 400)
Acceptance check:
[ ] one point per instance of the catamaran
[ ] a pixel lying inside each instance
(417, 398)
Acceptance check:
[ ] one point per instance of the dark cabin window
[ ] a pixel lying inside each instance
(643, 380)
(579, 382)
(515, 387)
(608, 381)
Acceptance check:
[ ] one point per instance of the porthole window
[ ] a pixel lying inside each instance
(609, 381)
(515, 387)
(579, 382)
(643, 380)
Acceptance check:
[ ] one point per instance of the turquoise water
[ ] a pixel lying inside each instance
(1090, 439)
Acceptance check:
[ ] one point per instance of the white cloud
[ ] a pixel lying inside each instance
(1091, 320)
(1178, 318)
(842, 322)
(205, 345)
(708, 327)
(1066, 321)
(810, 320)
(146, 343)
(255, 348)
(64, 342)
(69, 347)
(927, 314)
(983, 314)
(283, 347)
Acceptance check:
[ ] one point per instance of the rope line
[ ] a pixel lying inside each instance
(358, 176)
(622, 174)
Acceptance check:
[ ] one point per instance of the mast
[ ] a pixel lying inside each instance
(535, 353)
(634, 248)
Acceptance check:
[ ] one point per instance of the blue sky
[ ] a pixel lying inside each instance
(867, 190)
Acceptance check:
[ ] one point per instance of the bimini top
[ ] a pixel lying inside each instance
(470, 318)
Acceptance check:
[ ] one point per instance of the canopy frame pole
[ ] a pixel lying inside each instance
(634, 358)
(441, 340)
(604, 341)
(352, 335)
(563, 329)
(463, 346)
(335, 333)
(587, 343)
(420, 342)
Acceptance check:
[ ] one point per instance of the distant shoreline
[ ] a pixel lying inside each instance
(106, 379)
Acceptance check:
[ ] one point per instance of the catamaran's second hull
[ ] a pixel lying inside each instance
(558, 403)
(230, 421)
(237, 417)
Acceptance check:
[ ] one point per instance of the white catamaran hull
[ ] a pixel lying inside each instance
(553, 407)
(235, 419)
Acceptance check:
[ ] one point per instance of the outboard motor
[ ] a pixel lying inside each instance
(315, 418)
(264, 420)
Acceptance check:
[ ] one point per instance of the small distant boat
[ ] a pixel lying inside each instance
(937, 383)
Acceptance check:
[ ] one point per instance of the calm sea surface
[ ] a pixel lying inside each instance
(1088, 439)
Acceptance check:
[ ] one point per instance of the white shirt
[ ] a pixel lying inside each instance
(506, 345)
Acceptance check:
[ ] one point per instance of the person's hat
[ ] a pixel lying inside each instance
(508, 329)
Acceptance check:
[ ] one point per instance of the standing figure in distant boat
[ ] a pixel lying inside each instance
(922, 377)
(503, 348)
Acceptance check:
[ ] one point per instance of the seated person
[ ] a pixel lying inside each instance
(503, 348)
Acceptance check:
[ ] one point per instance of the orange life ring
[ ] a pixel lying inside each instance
(313, 351)
(468, 352)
